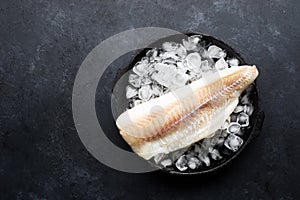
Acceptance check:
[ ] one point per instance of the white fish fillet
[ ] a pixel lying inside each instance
(182, 117)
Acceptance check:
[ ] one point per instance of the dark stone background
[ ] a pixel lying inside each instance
(43, 44)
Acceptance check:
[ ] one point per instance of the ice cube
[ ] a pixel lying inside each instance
(214, 140)
(140, 68)
(238, 109)
(144, 60)
(158, 157)
(243, 119)
(233, 62)
(193, 62)
(197, 148)
(248, 109)
(215, 154)
(181, 163)
(204, 54)
(130, 92)
(181, 68)
(170, 46)
(189, 45)
(162, 78)
(145, 80)
(233, 142)
(166, 162)
(195, 39)
(215, 52)
(233, 117)
(233, 128)
(193, 162)
(245, 99)
(134, 80)
(181, 51)
(152, 53)
(145, 93)
(164, 74)
(209, 142)
(221, 64)
(204, 158)
(221, 139)
(180, 79)
(206, 65)
(157, 90)
(206, 143)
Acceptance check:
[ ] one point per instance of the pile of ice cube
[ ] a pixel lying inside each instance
(175, 65)
(172, 66)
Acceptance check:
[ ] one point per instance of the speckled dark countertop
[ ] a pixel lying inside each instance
(43, 44)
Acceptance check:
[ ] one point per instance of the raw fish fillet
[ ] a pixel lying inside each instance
(186, 115)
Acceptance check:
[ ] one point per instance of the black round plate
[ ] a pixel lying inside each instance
(256, 119)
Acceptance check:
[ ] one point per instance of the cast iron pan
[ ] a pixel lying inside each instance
(256, 119)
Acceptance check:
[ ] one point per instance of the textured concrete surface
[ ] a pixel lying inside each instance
(42, 46)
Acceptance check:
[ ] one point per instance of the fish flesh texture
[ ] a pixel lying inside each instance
(186, 115)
